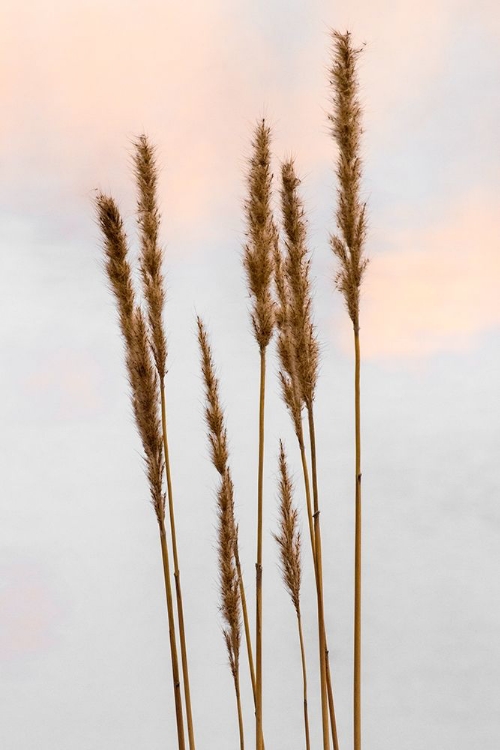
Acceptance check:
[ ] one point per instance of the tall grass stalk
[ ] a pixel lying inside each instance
(299, 354)
(258, 264)
(348, 246)
(144, 384)
(229, 575)
(289, 543)
(151, 257)
(219, 454)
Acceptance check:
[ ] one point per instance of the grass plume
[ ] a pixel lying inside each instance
(150, 262)
(144, 384)
(348, 246)
(298, 350)
(258, 256)
(229, 574)
(289, 543)
(261, 236)
(346, 129)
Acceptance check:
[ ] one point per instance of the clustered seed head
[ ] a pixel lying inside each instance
(288, 538)
(297, 344)
(150, 253)
(351, 213)
(286, 347)
(227, 529)
(214, 414)
(262, 236)
(142, 375)
(297, 266)
(117, 266)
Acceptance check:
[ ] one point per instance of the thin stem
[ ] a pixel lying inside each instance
(258, 565)
(177, 575)
(319, 597)
(331, 707)
(304, 678)
(327, 692)
(173, 645)
(246, 625)
(310, 520)
(357, 551)
(240, 713)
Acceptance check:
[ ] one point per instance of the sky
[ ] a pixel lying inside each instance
(83, 630)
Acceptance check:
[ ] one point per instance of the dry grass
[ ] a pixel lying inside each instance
(277, 274)
(258, 257)
(299, 355)
(289, 544)
(141, 373)
(150, 261)
(348, 246)
(351, 212)
(145, 395)
(229, 575)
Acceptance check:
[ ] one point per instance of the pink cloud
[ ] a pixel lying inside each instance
(437, 288)
(67, 379)
(30, 611)
(84, 77)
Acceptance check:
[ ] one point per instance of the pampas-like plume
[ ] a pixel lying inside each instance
(351, 212)
(229, 572)
(258, 255)
(148, 217)
(151, 258)
(262, 236)
(349, 249)
(288, 539)
(144, 385)
(289, 544)
(141, 374)
(297, 265)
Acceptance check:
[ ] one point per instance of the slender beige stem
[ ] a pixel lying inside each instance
(240, 713)
(304, 679)
(177, 575)
(357, 551)
(246, 625)
(305, 472)
(258, 565)
(331, 707)
(327, 675)
(315, 540)
(173, 645)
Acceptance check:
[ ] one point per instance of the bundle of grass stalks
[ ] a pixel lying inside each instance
(277, 265)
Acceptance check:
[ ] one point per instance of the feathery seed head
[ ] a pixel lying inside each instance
(351, 212)
(141, 374)
(262, 236)
(227, 529)
(288, 538)
(296, 271)
(148, 218)
(117, 267)
(214, 414)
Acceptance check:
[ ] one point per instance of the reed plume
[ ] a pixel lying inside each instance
(298, 350)
(289, 543)
(144, 384)
(229, 572)
(258, 254)
(150, 259)
(348, 247)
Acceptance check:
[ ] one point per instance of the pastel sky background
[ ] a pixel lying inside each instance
(83, 630)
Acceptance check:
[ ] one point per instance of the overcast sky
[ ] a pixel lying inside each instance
(83, 629)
